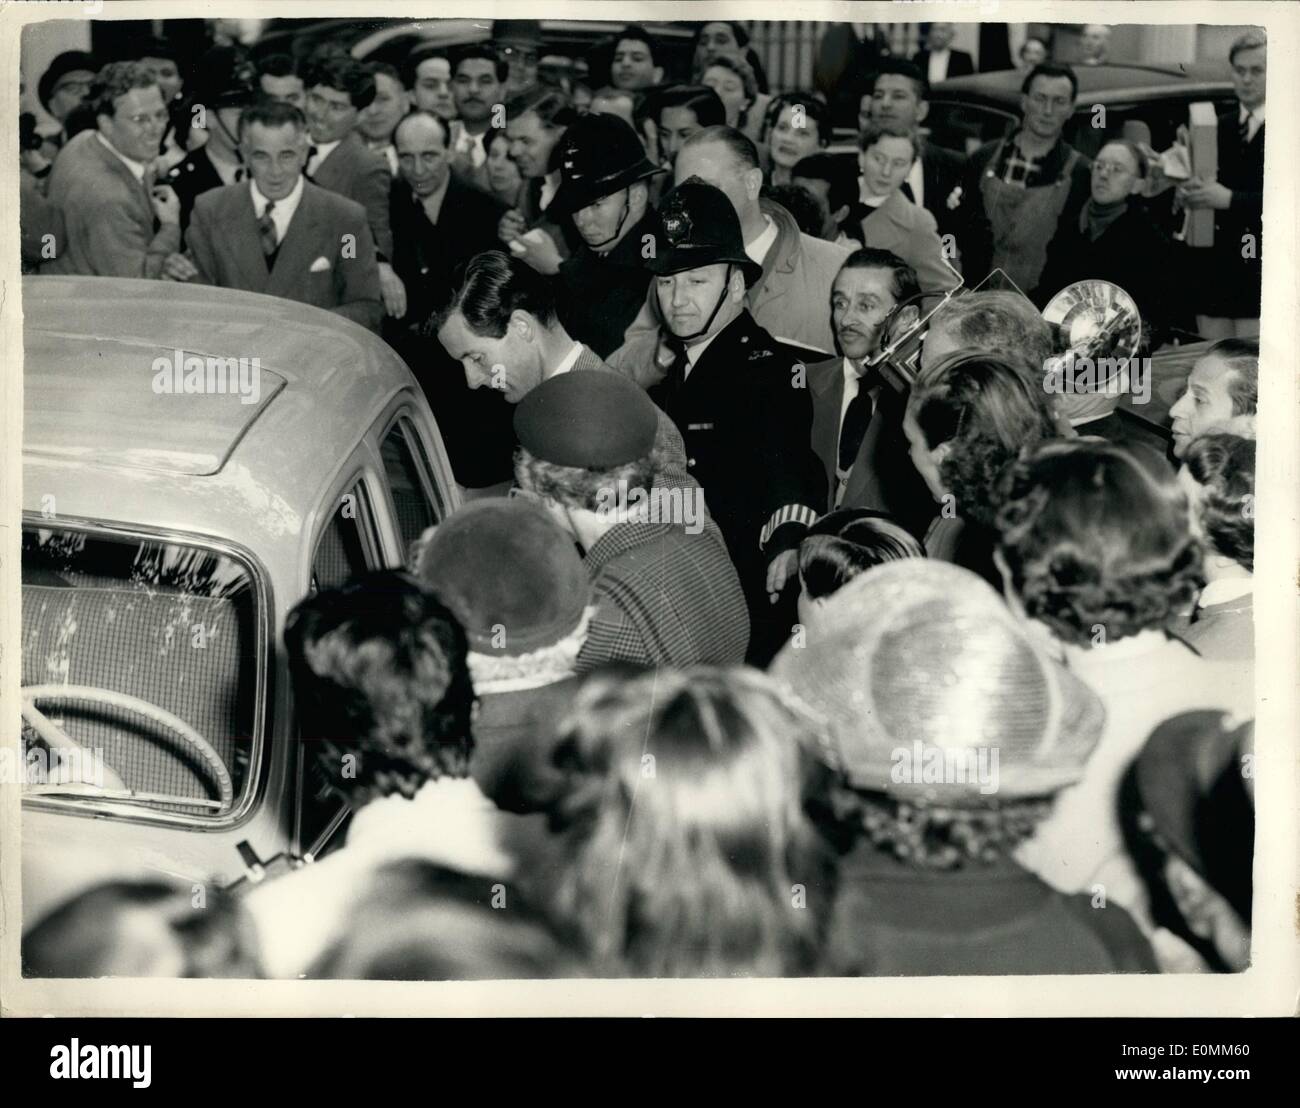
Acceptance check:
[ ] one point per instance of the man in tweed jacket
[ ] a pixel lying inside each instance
(665, 591)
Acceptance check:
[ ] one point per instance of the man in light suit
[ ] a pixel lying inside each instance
(118, 222)
(857, 428)
(280, 234)
(891, 221)
(338, 159)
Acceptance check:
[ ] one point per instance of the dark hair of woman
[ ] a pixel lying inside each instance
(1096, 536)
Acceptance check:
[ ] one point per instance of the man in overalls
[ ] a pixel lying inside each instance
(1018, 188)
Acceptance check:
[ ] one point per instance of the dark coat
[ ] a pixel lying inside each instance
(514, 738)
(600, 295)
(353, 170)
(942, 170)
(1229, 284)
(475, 423)
(190, 177)
(426, 255)
(310, 266)
(747, 427)
(1131, 253)
(883, 476)
(960, 63)
(892, 919)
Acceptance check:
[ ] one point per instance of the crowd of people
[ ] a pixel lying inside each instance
(763, 666)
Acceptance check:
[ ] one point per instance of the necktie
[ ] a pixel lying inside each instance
(675, 378)
(1243, 130)
(856, 419)
(239, 174)
(311, 157)
(266, 230)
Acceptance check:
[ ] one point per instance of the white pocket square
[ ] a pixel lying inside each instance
(320, 265)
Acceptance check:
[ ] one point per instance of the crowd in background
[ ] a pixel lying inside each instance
(707, 742)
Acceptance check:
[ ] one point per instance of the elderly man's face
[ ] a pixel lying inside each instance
(422, 154)
(1115, 174)
(275, 157)
(1205, 403)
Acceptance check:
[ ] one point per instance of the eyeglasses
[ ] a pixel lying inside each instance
(158, 119)
(1041, 101)
(1107, 168)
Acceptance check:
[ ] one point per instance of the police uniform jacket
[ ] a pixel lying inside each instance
(745, 415)
(601, 294)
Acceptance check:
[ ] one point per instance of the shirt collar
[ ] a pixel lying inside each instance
(325, 149)
(757, 250)
(1225, 589)
(569, 361)
(287, 206)
(1256, 114)
(137, 168)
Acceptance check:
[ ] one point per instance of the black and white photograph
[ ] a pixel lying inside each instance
(566, 495)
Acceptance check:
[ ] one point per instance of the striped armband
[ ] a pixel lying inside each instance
(787, 513)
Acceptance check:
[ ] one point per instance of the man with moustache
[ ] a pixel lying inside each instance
(857, 428)
(604, 191)
(478, 87)
(740, 401)
(439, 223)
(278, 233)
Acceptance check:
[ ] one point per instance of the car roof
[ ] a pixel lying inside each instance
(1102, 83)
(95, 420)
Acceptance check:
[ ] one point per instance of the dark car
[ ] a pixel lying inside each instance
(967, 112)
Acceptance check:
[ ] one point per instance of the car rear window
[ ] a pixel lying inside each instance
(121, 637)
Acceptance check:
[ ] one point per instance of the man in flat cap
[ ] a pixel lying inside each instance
(665, 592)
(501, 323)
(742, 403)
(604, 191)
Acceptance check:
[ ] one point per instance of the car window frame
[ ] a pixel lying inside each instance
(437, 498)
(127, 811)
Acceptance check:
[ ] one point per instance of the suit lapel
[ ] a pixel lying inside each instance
(246, 243)
(827, 386)
(293, 263)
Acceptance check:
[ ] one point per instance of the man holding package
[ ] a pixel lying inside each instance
(1228, 295)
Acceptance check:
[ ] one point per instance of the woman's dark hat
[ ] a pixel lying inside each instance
(587, 419)
(699, 227)
(598, 155)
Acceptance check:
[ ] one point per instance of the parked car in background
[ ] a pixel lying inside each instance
(195, 461)
(967, 112)
(392, 40)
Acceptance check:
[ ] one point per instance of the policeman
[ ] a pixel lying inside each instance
(740, 401)
(226, 85)
(604, 190)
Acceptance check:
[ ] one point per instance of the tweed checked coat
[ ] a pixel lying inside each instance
(663, 596)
